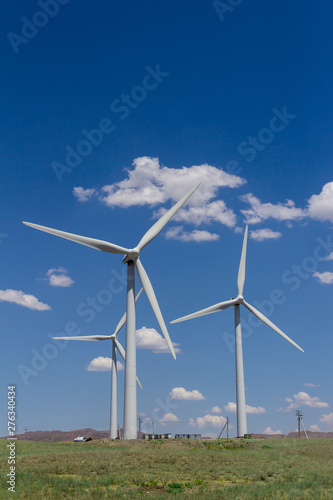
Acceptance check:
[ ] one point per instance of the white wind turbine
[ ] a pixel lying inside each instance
(236, 302)
(132, 260)
(116, 345)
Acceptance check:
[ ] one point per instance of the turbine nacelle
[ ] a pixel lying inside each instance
(132, 255)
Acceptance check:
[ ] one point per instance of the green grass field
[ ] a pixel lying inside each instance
(227, 468)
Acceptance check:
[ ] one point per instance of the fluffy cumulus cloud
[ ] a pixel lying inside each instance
(177, 233)
(260, 212)
(250, 410)
(325, 278)
(58, 277)
(208, 421)
(329, 257)
(270, 431)
(314, 428)
(102, 364)
(327, 420)
(168, 418)
(320, 206)
(216, 409)
(150, 183)
(182, 393)
(264, 234)
(149, 338)
(23, 299)
(84, 195)
(303, 399)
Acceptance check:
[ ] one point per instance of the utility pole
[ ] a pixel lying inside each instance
(140, 422)
(299, 416)
(226, 425)
(299, 422)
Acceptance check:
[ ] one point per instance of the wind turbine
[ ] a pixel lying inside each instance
(236, 302)
(116, 345)
(132, 260)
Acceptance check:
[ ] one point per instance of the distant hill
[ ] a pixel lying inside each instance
(59, 436)
(295, 435)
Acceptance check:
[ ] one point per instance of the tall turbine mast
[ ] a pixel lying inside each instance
(132, 259)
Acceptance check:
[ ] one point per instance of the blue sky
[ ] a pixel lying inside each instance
(110, 114)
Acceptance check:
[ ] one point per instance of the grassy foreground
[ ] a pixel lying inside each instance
(242, 469)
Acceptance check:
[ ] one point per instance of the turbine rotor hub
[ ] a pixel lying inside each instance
(132, 255)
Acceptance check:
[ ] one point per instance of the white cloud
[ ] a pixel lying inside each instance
(216, 409)
(303, 399)
(250, 410)
(329, 257)
(149, 338)
(327, 420)
(314, 428)
(168, 418)
(260, 212)
(57, 277)
(102, 364)
(23, 299)
(177, 233)
(270, 431)
(264, 234)
(83, 194)
(325, 278)
(208, 421)
(152, 184)
(310, 384)
(320, 206)
(182, 393)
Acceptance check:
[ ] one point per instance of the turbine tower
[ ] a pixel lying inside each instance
(132, 260)
(236, 302)
(116, 345)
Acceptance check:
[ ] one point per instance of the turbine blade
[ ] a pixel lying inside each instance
(241, 271)
(87, 337)
(120, 348)
(265, 320)
(154, 304)
(139, 383)
(159, 225)
(208, 310)
(104, 246)
(123, 319)
(122, 353)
